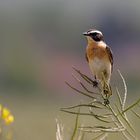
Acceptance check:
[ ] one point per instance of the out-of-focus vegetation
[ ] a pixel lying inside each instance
(41, 40)
(6, 118)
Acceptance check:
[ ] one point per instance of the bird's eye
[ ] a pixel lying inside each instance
(96, 36)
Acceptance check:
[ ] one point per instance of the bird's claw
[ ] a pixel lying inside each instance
(95, 83)
(106, 102)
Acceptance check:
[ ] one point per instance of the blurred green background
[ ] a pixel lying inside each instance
(39, 43)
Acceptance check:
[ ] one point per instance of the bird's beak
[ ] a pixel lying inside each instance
(85, 34)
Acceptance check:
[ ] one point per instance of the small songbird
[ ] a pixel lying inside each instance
(99, 57)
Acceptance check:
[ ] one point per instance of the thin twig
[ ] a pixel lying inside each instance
(110, 130)
(131, 106)
(81, 135)
(83, 86)
(76, 126)
(126, 120)
(119, 97)
(59, 131)
(125, 90)
(85, 77)
(98, 117)
(79, 91)
(104, 137)
(136, 114)
(83, 105)
(100, 136)
(121, 123)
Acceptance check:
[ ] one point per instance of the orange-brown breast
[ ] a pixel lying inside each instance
(93, 51)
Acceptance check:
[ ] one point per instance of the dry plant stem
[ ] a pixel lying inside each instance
(131, 106)
(98, 117)
(81, 135)
(126, 120)
(111, 130)
(100, 136)
(80, 91)
(76, 126)
(117, 119)
(83, 105)
(136, 114)
(119, 97)
(83, 86)
(86, 78)
(121, 124)
(104, 137)
(59, 131)
(125, 91)
(115, 115)
(122, 105)
(125, 94)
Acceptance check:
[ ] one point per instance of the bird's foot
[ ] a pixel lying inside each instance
(107, 92)
(106, 102)
(95, 83)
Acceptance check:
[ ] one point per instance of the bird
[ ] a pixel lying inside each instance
(100, 59)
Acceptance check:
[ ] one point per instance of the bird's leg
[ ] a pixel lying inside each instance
(105, 85)
(106, 93)
(106, 90)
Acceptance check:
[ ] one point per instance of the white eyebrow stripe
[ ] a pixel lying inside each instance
(96, 31)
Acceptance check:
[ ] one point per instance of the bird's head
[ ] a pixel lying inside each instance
(94, 35)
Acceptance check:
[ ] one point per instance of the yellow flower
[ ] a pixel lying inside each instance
(9, 119)
(7, 116)
(5, 113)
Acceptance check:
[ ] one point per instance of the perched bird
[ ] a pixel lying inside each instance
(99, 57)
